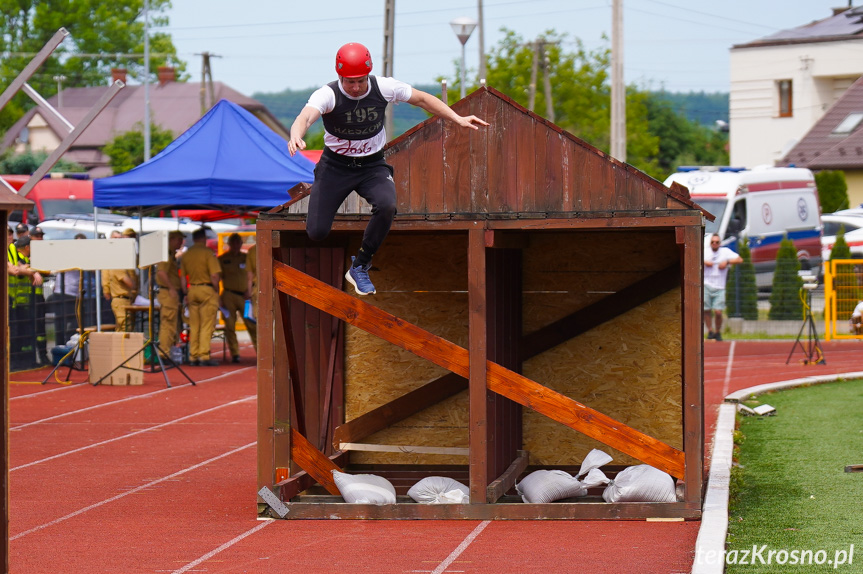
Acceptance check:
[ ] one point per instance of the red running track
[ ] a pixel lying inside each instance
(149, 479)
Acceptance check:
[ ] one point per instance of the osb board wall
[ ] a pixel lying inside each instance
(628, 368)
(421, 278)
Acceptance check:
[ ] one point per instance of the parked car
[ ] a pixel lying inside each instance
(853, 224)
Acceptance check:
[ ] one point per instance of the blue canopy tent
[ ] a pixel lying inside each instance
(229, 160)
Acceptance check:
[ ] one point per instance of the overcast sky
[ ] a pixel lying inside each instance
(271, 45)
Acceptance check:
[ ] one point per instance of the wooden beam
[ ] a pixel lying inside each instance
(399, 409)
(314, 462)
(604, 310)
(478, 366)
(500, 380)
(504, 482)
(298, 192)
(448, 450)
(290, 487)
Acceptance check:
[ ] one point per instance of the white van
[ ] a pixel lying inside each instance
(762, 204)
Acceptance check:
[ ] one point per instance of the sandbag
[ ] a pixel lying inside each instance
(543, 486)
(642, 483)
(439, 490)
(365, 488)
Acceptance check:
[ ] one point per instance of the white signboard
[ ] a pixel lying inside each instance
(154, 248)
(84, 254)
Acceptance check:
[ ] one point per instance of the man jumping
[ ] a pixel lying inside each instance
(352, 109)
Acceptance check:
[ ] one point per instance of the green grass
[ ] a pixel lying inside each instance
(791, 490)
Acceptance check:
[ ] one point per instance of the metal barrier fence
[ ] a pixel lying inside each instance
(843, 292)
(43, 317)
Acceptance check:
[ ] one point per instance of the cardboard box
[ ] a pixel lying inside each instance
(108, 350)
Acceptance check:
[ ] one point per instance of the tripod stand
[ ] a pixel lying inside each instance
(150, 344)
(812, 348)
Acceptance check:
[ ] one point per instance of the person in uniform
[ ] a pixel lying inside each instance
(200, 268)
(352, 109)
(120, 286)
(23, 283)
(170, 288)
(252, 288)
(235, 292)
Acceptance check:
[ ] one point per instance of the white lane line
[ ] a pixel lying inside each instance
(727, 380)
(131, 434)
(128, 492)
(461, 547)
(224, 546)
(45, 392)
(85, 409)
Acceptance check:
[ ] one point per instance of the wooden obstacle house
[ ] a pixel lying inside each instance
(536, 299)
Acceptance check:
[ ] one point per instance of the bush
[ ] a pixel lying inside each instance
(785, 300)
(741, 291)
(832, 190)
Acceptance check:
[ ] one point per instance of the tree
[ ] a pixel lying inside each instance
(29, 161)
(657, 136)
(741, 290)
(127, 149)
(785, 300)
(840, 248)
(832, 190)
(103, 35)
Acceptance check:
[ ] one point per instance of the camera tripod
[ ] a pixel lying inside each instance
(811, 347)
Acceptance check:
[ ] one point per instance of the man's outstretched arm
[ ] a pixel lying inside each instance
(434, 106)
(307, 117)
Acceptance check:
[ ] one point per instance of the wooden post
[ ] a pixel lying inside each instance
(478, 429)
(692, 250)
(266, 363)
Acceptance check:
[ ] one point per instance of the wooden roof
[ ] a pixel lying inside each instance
(520, 163)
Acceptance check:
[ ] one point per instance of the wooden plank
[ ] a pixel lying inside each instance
(500, 380)
(854, 468)
(323, 508)
(456, 167)
(296, 382)
(478, 392)
(291, 487)
(298, 192)
(479, 140)
(314, 462)
(265, 363)
(553, 173)
(399, 409)
(525, 162)
(426, 173)
(603, 310)
(692, 369)
(454, 450)
(505, 481)
(401, 164)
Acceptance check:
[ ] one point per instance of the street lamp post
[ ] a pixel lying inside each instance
(463, 28)
(60, 78)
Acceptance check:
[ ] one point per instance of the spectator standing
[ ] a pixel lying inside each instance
(235, 292)
(170, 288)
(67, 302)
(200, 270)
(716, 262)
(23, 329)
(22, 230)
(252, 279)
(40, 308)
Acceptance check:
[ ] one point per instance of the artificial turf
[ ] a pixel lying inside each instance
(793, 493)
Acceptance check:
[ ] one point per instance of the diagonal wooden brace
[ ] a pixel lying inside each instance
(500, 380)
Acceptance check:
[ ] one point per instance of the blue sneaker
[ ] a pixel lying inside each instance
(359, 278)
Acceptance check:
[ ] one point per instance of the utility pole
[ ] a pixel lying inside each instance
(549, 104)
(389, 40)
(618, 88)
(207, 81)
(482, 70)
(146, 81)
(531, 94)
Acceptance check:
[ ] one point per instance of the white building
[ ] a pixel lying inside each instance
(782, 84)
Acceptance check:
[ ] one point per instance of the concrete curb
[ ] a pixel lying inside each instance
(710, 544)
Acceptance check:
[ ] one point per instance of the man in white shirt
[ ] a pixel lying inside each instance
(857, 319)
(716, 262)
(352, 109)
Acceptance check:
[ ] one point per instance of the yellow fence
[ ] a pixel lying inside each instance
(843, 290)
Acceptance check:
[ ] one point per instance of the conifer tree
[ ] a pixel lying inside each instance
(741, 291)
(785, 303)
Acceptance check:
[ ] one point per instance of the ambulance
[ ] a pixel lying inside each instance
(762, 204)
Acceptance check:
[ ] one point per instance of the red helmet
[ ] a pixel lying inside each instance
(353, 61)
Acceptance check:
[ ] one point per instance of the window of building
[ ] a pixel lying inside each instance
(849, 124)
(786, 109)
